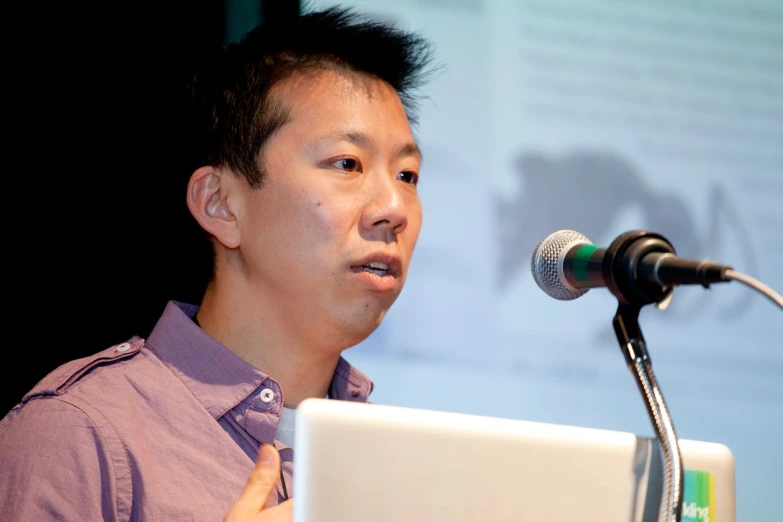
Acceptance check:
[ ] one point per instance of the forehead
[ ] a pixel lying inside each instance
(326, 101)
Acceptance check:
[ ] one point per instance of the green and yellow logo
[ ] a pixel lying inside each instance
(698, 497)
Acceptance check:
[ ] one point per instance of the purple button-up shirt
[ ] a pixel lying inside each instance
(166, 428)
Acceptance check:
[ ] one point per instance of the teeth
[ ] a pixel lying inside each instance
(380, 266)
(376, 272)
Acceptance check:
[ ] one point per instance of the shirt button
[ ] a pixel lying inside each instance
(124, 347)
(267, 395)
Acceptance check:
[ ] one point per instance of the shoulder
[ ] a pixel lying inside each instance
(52, 409)
(62, 379)
(65, 454)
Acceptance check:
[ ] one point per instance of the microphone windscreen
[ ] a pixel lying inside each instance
(547, 260)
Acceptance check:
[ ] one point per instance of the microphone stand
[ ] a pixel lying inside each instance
(629, 335)
(619, 269)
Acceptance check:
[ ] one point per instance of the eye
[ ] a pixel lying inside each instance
(347, 164)
(408, 177)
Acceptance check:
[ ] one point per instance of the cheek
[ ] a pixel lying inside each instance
(415, 217)
(326, 219)
(334, 207)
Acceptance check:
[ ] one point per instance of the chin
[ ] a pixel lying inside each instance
(353, 328)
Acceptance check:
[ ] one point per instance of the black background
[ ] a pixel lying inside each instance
(96, 227)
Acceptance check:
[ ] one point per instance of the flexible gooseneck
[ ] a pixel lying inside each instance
(629, 335)
(620, 265)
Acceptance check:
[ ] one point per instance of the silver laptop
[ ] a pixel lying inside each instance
(377, 463)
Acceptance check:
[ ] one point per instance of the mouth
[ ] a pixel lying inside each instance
(379, 269)
(381, 265)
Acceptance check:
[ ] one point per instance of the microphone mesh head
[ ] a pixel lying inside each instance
(546, 264)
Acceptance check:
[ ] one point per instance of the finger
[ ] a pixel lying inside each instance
(261, 482)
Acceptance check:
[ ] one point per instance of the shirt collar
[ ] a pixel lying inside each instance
(349, 384)
(216, 376)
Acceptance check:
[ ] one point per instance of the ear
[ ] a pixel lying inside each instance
(210, 200)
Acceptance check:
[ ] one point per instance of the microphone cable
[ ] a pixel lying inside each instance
(755, 284)
(282, 479)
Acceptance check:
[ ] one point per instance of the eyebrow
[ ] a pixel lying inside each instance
(364, 141)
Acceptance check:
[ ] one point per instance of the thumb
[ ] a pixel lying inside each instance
(260, 484)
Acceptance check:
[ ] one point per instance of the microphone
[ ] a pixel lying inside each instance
(641, 264)
(639, 267)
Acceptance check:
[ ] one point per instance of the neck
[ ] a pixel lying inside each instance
(252, 329)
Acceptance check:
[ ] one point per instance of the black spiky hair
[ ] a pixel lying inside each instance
(234, 114)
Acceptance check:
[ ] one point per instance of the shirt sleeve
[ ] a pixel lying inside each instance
(58, 462)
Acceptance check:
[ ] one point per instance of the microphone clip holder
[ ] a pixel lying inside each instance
(620, 272)
(621, 267)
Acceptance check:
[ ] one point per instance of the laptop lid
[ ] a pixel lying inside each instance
(371, 462)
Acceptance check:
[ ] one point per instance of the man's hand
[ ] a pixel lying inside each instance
(250, 506)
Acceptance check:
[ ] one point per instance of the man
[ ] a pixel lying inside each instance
(307, 189)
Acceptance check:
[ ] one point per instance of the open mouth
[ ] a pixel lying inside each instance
(380, 265)
(379, 269)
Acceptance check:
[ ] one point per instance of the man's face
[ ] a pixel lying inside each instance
(328, 238)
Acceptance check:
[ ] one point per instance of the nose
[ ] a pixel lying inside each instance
(386, 210)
